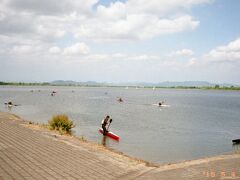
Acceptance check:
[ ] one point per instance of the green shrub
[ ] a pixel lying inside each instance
(61, 123)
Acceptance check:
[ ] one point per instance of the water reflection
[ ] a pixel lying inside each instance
(104, 138)
(236, 148)
(8, 107)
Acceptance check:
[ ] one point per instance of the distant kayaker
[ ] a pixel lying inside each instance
(120, 100)
(105, 122)
(10, 103)
(160, 103)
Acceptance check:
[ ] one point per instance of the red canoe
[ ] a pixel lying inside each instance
(110, 134)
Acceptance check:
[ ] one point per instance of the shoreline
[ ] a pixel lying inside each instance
(222, 88)
(42, 128)
(67, 138)
(50, 155)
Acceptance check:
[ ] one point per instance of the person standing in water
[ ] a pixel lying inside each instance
(105, 122)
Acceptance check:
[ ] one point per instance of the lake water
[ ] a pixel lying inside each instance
(197, 123)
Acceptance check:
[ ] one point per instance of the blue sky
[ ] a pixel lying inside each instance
(120, 41)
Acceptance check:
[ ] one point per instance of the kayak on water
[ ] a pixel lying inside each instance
(110, 134)
(10, 104)
(162, 105)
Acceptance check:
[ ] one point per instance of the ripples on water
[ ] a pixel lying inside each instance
(196, 123)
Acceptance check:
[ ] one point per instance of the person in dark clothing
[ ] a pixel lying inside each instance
(9, 103)
(120, 100)
(160, 103)
(105, 122)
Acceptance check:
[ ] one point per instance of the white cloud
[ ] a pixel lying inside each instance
(51, 20)
(191, 62)
(23, 49)
(49, 32)
(54, 50)
(76, 49)
(114, 11)
(135, 27)
(219, 57)
(221, 64)
(40, 28)
(137, 20)
(144, 58)
(161, 7)
(226, 53)
(119, 55)
(184, 52)
(51, 7)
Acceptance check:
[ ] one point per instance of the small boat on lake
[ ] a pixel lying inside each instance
(10, 104)
(110, 134)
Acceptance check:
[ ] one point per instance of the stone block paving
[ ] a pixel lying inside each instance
(224, 167)
(27, 154)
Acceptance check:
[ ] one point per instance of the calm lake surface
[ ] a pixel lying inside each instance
(197, 123)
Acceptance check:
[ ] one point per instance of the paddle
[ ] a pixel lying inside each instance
(110, 121)
(12, 104)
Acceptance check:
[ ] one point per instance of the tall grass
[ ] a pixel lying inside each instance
(61, 123)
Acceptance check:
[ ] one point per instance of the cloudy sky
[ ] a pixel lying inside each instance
(120, 41)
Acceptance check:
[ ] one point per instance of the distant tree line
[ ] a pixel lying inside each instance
(216, 87)
(24, 84)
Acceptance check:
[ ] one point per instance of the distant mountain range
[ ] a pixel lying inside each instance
(141, 84)
(74, 83)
